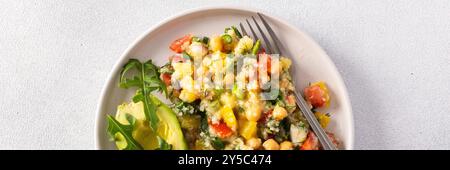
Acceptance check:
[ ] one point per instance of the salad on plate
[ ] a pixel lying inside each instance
(225, 93)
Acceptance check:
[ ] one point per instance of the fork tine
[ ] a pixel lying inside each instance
(255, 36)
(266, 41)
(320, 133)
(251, 29)
(244, 33)
(277, 43)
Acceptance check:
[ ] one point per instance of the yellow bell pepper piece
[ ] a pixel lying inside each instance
(247, 129)
(323, 119)
(228, 117)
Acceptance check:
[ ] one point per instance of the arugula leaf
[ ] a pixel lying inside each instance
(145, 75)
(146, 78)
(126, 130)
(134, 81)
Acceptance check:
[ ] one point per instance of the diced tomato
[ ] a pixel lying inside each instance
(166, 78)
(177, 45)
(311, 142)
(266, 116)
(221, 129)
(317, 95)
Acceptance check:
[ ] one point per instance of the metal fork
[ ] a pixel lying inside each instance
(277, 48)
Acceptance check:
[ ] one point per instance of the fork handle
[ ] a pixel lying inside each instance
(324, 140)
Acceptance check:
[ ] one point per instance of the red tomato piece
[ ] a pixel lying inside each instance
(221, 129)
(177, 45)
(311, 142)
(317, 95)
(166, 77)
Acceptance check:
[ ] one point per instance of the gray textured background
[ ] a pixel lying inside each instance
(393, 55)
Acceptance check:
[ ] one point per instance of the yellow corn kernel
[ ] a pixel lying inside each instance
(279, 113)
(216, 44)
(247, 129)
(228, 117)
(323, 119)
(188, 95)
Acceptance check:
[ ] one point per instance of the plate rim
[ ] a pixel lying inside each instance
(140, 38)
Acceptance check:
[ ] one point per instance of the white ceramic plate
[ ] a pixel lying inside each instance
(311, 62)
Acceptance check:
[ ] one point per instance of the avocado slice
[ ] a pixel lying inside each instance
(168, 127)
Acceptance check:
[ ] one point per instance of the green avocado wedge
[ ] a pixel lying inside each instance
(168, 127)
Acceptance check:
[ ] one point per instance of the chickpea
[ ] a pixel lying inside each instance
(255, 143)
(271, 145)
(286, 145)
(253, 113)
(216, 44)
(279, 113)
